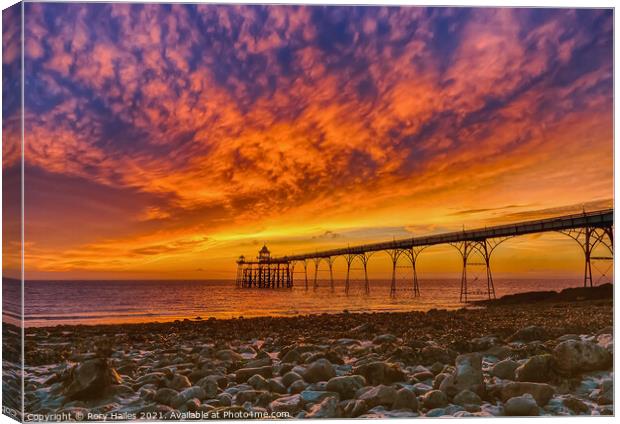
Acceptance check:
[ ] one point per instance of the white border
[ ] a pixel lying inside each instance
(484, 3)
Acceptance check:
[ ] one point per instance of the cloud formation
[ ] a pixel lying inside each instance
(232, 123)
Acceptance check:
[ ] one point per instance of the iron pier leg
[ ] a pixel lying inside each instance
(346, 281)
(416, 286)
(393, 285)
(316, 271)
(306, 274)
(331, 273)
(366, 283)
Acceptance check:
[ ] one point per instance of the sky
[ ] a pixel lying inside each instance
(163, 141)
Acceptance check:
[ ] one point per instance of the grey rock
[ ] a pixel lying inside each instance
(380, 373)
(504, 369)
(379, 395)
(298, 386)
(328, 408)
(541, 392)
(320, 370)
(165, 395)
(315, 396)
(178, 382)
(290, 377)
(242, 375)
(575, 404)
(195, 392)
(521, 406)
(259, 382)
(346, 386)
(90, 380)
(538, 369)
(529, 334)
(576, 356)
(468, 373)
(435, 399)
(228, 355)
(292, 404)
(384, 338)
(467, 397)
(353, 408)
(405, 399)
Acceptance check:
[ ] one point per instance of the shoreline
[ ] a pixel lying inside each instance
(572, 294)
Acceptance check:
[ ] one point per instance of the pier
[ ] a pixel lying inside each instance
(588, 229)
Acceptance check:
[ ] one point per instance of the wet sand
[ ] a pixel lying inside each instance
(550, 357)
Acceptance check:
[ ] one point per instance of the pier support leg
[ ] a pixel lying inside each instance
(588, 238)
(394, 254)
(364, 258)
(330, 262)
(464, 248)
(349, 259)
(316, 271)
(413, 254)
(306, 273)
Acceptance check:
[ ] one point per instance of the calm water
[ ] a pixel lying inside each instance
(92, 302)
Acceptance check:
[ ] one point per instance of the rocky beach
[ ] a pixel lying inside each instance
(550, 356)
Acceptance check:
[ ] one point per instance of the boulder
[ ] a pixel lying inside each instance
(466, 398)
(195, 392)
(380, 373)
(242, 375)
(405, 399)
(298, 386)
(423, 375)
(165, 395)
(178, 382)
(384, 338)
(468, 373)
(379, 395)
(504, 369)
(576, 356)
(259, 382)
(435, 399)
(541, 392)
(292, 356)
(209, 385)
(575, 405)
(432, 354)
(316, 396)
(606, 396)
(276, 386)
(292, 404)
(353, 408)
(538, 369)
(290, 377)
(529, 334)
(228, 355)
(346, 386)
(328, 408)
(521, 406)
(320, 370)
(90, 380)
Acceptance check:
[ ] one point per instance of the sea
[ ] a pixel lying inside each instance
(50, 303)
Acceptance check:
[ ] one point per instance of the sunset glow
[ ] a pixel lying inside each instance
(163, 141)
